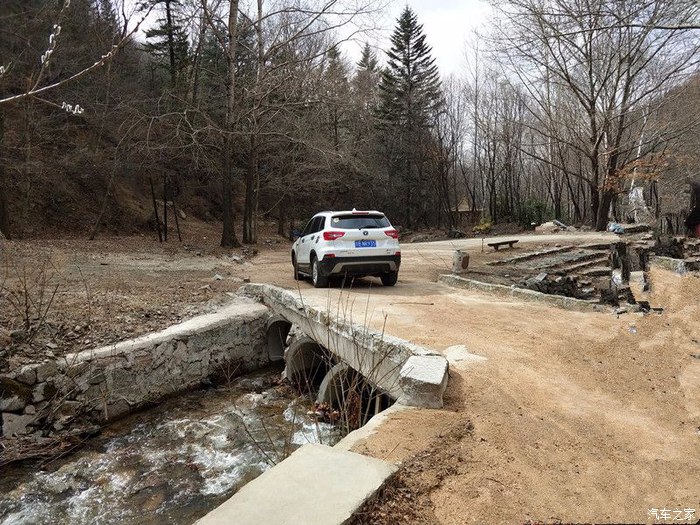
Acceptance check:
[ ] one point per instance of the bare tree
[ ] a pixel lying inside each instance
(610, 61)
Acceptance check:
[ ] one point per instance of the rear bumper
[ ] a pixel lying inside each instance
(370, 265)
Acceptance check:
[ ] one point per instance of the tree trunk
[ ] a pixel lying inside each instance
(228, 235)
(604, 210)
(4, 212)
(249, 233)
(595, 205)
(282, 217)
(250, 226)
(171, 44)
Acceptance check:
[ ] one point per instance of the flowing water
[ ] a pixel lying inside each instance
(171, 464)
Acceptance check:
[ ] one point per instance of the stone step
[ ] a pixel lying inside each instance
(597, 271)
(589, 262)
(598, 246)
(572, 262)
(531, 255)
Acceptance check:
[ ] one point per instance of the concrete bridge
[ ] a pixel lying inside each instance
(407, 373)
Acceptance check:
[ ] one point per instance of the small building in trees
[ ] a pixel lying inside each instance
(465, 215)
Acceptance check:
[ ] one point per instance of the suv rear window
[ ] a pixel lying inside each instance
(357, 222)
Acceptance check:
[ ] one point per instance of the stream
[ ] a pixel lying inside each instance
(170, 464)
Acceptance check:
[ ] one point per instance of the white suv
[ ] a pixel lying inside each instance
(357, 243)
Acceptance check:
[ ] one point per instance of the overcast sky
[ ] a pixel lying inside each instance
(447, 25)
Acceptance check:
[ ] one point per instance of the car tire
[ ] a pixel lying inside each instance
(297, 275)
(318, 280)
(389, 279)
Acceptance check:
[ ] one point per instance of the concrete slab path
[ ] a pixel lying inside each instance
(316, 485)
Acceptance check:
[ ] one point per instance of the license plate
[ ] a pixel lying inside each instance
(365, 244)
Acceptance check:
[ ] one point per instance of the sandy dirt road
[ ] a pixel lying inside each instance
(577, 417)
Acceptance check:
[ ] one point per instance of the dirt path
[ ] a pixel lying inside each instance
(577, 417)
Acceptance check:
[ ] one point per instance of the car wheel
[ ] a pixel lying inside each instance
(317, 279)
(297, 275)
(389, 279)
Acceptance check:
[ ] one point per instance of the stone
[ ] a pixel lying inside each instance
(218, 277)
(27, 375)
(30, 410)
(423, 380)
(76, 369)
(537, 283)
(43, 391)
(117, 409)
(460, 262)
(180, 353)
(69, 408)
(12, 404)
(341, 482)
(547, 227)
(5, 338)
(45, 371)
(18, 335)
(16, 425)
(97, 377)
(14, 396)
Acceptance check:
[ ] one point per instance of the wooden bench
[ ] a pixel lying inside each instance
(497, 245)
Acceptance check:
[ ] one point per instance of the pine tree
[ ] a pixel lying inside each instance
(337, 93)
(365, 103)
(410, 98)
(410, 85)
(168, 41)
(366, 79)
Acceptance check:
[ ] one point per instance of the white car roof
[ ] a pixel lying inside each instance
(350, 212)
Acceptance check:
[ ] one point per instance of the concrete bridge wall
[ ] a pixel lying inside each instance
(409, 373)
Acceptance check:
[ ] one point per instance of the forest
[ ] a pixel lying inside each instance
(242, 111)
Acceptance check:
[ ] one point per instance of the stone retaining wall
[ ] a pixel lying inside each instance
(560, 301)
(109, 382)
(680, 266)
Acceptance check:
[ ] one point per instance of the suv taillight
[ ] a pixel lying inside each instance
(394, 234)
(331, 236)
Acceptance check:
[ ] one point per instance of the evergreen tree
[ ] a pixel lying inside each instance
(365, 103)
(168, 41)
(366, 79)
(337, 92)
(410, 98)
(410, 85)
